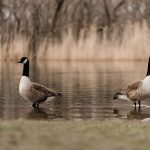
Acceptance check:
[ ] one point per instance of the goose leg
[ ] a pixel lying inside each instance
(34, 105)
(37, 105)
(135, 105)
(139, 104)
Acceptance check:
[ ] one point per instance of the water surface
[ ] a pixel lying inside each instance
(87, 90)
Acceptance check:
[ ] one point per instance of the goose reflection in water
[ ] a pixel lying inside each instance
(132, 114)
(138, 114)
(43, 114)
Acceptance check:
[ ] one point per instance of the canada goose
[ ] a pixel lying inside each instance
(34, 92)
(136, 91)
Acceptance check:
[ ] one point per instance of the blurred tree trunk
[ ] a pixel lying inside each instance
(35, 38)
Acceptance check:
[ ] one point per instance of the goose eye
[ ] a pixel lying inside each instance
(25, 61)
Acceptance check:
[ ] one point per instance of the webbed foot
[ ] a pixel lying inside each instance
(35, 105)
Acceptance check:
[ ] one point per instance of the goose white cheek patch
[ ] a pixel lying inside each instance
(123, 97)
(25, 61)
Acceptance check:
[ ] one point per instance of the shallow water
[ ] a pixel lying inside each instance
(87, 90)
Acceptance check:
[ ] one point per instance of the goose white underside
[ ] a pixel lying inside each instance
(124, 97)
(146, 84)
(24, 87)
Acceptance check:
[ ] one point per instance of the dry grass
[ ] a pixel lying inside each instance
(132, 45)
(16, 47)
(68, 135)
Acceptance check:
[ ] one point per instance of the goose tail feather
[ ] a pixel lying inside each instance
(59, 94)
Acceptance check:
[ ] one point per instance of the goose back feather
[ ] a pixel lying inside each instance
(42, 89)
(134, 91)
(41, 93)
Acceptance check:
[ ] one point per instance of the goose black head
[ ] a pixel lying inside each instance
(23, 60)
(148, 68)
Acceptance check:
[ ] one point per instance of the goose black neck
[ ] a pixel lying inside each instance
(26, 70)
(148, 69)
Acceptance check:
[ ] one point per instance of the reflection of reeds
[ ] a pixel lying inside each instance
(132, 44)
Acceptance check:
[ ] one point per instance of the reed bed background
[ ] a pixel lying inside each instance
(75, 30)
(132, 44)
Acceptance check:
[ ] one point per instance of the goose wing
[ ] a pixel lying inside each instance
(44, 90)
(134, 90)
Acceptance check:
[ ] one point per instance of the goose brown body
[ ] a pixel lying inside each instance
(133, 92)
(40, 93)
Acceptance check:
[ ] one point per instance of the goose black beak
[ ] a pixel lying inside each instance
(18, 61)
(115, 96)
